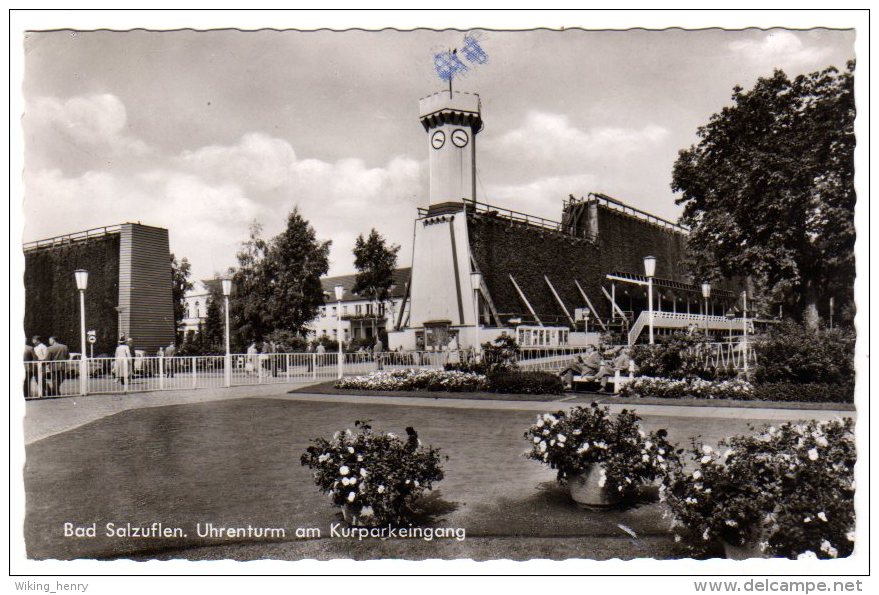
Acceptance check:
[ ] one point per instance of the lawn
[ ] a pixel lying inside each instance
(235, 463)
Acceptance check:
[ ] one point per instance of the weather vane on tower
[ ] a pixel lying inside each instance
(448, 64)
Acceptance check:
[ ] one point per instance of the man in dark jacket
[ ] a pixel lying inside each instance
(57, 352)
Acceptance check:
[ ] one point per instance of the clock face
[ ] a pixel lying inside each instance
(460, 138)
(438, 139)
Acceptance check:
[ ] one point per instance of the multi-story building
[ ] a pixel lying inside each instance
(361, 318)
(196, 307)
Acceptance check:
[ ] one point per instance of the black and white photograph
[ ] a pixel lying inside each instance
(570, 294)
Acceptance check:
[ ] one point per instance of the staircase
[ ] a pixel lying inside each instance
(681, 320)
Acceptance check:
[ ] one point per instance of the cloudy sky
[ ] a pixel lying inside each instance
(204, 132)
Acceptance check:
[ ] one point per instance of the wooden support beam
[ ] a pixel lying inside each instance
(561, 303)
(613, 303)
(527, 303)
(588, 303)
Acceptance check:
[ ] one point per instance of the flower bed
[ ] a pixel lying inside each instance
(374, 474)
(788, 490)
(415, 379)
(665, 388)
(571, 442)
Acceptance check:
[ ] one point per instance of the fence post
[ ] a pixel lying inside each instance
(194, 373)
(314, 366)
(40, 378)
(161, 373)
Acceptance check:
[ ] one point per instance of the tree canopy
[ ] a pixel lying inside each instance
(769, 190)
(180, 284)
(277, 283)
(375, 262)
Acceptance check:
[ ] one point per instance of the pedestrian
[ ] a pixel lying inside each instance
(252, 365)
(271, 364)
(170, 362)
(56, 352)
(31, 387)
(122, 365)
(40, 348)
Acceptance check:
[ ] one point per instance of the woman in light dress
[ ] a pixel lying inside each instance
(123, 362)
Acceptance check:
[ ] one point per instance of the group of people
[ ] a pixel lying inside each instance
(45, 380)
(592, 366)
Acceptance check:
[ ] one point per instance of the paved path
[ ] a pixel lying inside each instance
(52, 416)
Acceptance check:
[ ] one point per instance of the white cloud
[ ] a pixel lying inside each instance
(542, 197)
(551, 138)
(208, 196)
(778, 48)
(91, 123)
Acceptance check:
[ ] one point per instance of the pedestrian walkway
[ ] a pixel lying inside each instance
(47, 417)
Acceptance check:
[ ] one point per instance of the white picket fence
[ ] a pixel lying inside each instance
(142, 373)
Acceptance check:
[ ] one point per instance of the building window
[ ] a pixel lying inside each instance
(197, 311)
(335, 334)
(323, 311)
(358, 309)
(334, 312)
(381, 309)
(344, 310)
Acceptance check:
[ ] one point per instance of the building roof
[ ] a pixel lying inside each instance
(398, 289)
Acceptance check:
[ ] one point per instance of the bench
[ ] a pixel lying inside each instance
(618, 379)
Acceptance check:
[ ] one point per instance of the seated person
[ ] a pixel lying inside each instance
(582, 367)
(621, 362)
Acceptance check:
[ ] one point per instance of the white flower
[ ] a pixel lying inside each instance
(363, 472)
(807, 555)
(351, 496)
(697, 474)
(822, 516)
(648, 444)
(602, 478)
(542, 446)
(705, 459)
(828, 549)
(536, 439)
(561, 437)
(344, 470)
(705, 534)
(351, 449)
(808, 519)
(359, 458)
(323, 457)
(645, 458)
(707, 449)
(381, 489)
(813, 454)
(850, 535)
(552, 442)
(732, 523)
(821, 441)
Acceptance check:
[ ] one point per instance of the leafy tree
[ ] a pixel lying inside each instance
(180, 284)
(375, 262)
(277, 283)
(293, 266)
(214, 332)
(769, 190)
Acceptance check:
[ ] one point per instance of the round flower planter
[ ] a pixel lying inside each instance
(742, 552)
(363, 517)
(587, 492)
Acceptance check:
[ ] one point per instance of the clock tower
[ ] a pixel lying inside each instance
(452, 121)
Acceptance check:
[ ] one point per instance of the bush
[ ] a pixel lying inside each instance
(572, 441)
(474, 367)
(287, 341)
(789, 490)
(528, 383)
(416, 379)
(695, 388)
(791, 352)
(804, 393)
(501, 354)
(374, 474)
(677, 356)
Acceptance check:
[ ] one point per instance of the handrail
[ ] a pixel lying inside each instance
(72, 237)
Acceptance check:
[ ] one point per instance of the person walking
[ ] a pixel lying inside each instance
(170, 363)
(31, 388)
(252, 365)
(56, 352)
(377, 351)
(122, 365)
(42, 370)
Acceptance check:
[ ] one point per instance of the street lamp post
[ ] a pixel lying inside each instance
(649, 271)
(745, 329)
(706, 293)
(82, 282)
(227, 291)
(340, 291)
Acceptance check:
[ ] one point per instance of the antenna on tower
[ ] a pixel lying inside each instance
(448, 64)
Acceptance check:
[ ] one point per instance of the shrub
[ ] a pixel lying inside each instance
(791, 352)
(789, 490)
(804, 393)
(475, 367)
(665, 388)
(572, 441)
(501, 354)
(676, 356)
(528, 383)
(374, 473)
(287, 341)
(416, 379)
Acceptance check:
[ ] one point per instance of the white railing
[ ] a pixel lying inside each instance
(678, 320)
(107, 375)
